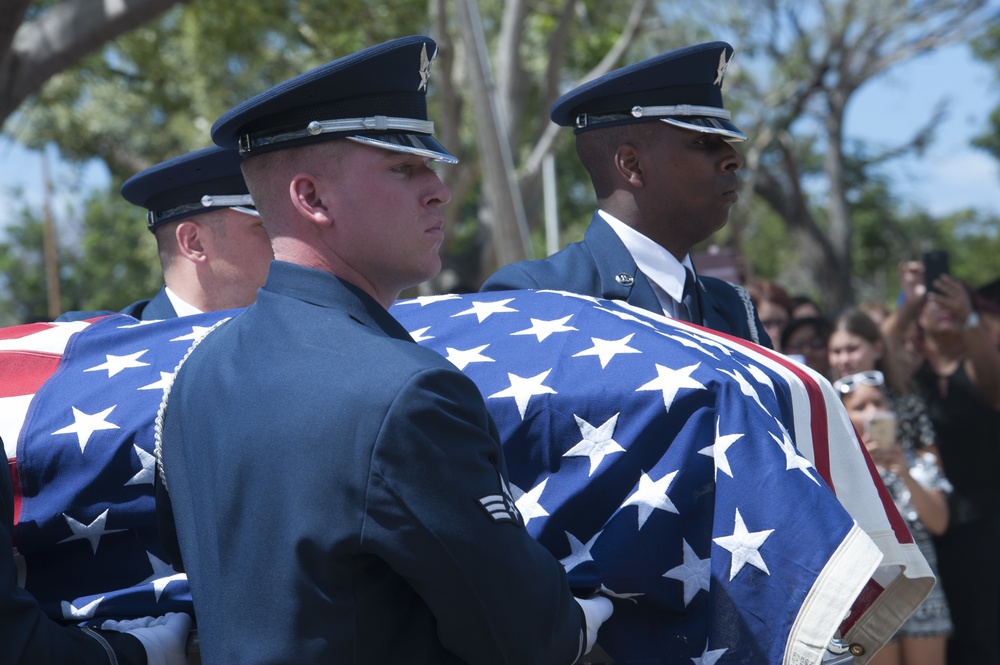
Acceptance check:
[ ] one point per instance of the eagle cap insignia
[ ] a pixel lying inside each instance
(425, 67)
(721, 71)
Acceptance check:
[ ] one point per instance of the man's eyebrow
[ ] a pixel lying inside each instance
(392, 156)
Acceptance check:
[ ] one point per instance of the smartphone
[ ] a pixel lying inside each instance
(881, 428)
(935, 265)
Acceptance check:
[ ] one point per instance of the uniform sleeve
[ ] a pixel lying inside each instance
(439, 512)
(28, 636)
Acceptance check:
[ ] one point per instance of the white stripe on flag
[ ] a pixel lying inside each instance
(51, 340)
(12, 413)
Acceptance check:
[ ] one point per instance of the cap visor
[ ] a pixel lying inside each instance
(707, 125)
(416, 144)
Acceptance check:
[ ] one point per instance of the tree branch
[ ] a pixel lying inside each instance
(509, 72)
(14, 11)
(61, 37)
(533, 164)
(557, 45)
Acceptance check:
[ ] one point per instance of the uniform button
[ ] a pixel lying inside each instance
(625, 279)
(857, 649)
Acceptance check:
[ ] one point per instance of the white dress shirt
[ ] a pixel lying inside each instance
(665, 273)
(181, 306)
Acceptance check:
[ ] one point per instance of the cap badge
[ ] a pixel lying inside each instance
(721, 71)
(425, 67)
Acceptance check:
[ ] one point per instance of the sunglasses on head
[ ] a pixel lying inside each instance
(850, 382)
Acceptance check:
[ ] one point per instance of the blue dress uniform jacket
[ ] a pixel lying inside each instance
(590, 267)
(327, 478)
(155, 309)
(27, 635)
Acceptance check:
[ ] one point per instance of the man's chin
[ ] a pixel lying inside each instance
(426, 276)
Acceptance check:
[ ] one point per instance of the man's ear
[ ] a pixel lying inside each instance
(190, 236)
(627, 165)
(310, 199)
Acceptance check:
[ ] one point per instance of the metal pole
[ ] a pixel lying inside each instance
(551, 204)
(50, 248)
(510, 224)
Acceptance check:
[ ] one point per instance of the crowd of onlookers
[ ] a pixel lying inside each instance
(921, 383)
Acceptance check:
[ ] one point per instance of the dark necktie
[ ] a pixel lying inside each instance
(689, 309)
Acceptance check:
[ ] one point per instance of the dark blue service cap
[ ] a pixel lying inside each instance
(376, 96)
(198, 182)
(682, 88)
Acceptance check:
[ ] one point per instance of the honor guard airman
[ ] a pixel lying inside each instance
(657, 143)
(213, 250)
(339, 493)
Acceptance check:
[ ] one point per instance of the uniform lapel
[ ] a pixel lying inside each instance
(620, 277)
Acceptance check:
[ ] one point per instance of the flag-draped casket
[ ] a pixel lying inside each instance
(714, 490)
(77, 404)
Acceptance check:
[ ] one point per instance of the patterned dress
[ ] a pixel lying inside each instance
(932, 618)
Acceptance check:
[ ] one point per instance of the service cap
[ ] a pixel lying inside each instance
(682, 88)
(192, 184)
(376, 96)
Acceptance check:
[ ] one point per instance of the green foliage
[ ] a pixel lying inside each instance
(22, 271)
(973, 238)
(106, 262)
(154, 93)
(115, 262)
(987, 49)
(886, 233)
(766, 243)
(886, 236)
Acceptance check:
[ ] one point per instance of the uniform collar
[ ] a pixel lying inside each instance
(324, 289)
(662, 268)
(181, 306)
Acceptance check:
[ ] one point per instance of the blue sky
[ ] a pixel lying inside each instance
(949, 176)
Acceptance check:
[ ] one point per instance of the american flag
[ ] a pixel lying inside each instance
(716, 491)
(77, 404)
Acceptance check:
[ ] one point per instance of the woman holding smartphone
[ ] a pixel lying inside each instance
(894, 426)
(856, 345)
(959, 379)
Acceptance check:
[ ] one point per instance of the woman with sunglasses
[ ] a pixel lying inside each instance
(919, 489)
(959, 379)
(856, 345)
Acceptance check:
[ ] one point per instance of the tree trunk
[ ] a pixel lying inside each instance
(836, 271)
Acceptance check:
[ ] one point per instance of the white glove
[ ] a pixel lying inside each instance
(596, 611)
(164, 638)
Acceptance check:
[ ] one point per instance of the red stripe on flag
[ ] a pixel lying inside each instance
(817, 405)
(17, 332)
(821, 443)
(817, 418)
(868, 595)
(821, 453)
(24, 372)
(899, 528)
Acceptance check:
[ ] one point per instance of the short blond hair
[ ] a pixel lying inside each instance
(267, 176)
